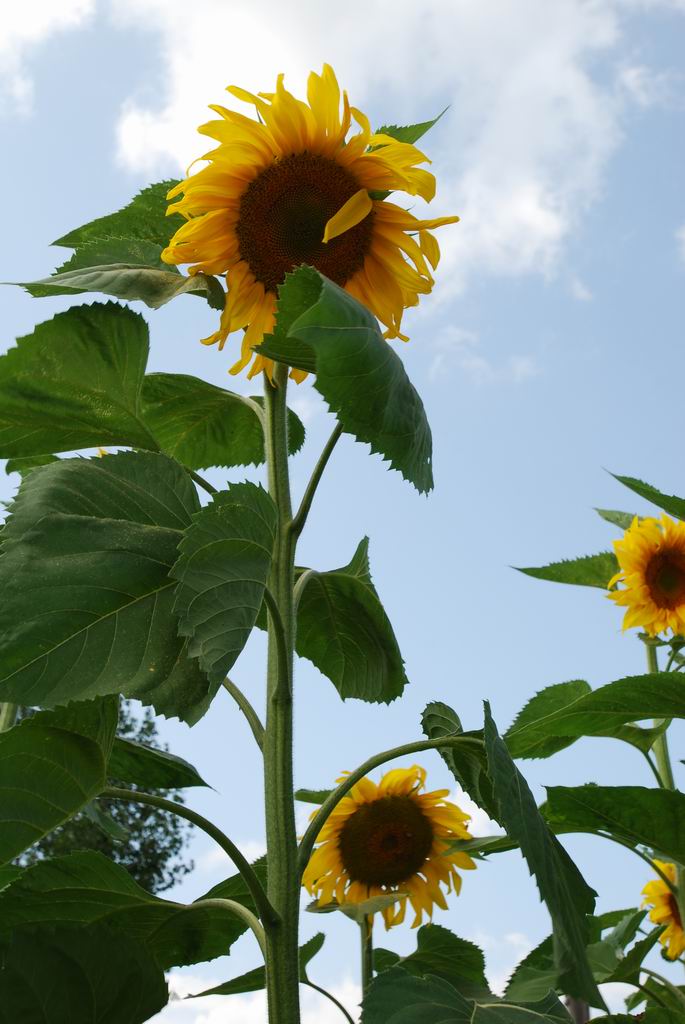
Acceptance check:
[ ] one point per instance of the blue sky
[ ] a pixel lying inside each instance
(549, 352)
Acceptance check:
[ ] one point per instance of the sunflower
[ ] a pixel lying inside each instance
(292, 188)
(665, 911)
(390, 837)
(651, 555)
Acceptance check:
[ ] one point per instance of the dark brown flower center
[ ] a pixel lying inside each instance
(665, 575)
(283, 214)
(385, 842)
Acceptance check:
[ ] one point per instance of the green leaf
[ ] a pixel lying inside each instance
(621, 519)
(87, 596)
(534, 976)
(546, 702)
(397, 997)
(143, 218)
(607, 711)
(668, 502)
(79, 976)
(358, 912)
(131, 282)
(468, 763)
(202, 425)
(650, 817)
(86, 888)
(51, 765)
(322, 329)
(255, 980)
(444, 955)
(151, 768)
(562, 887)
(100, 252)
(105, 823)
(588, 571)
(342, 628)
(23, 466)
(75, 383)
(409, 132)
(312, 796)
(225, 558)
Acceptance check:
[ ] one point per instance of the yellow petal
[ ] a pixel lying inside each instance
(350, 214)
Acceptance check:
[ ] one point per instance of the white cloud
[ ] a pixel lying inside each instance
(214, 860)
(456, 349)
(23, 27)
(680, 239)
(579, 290)
(480, 824)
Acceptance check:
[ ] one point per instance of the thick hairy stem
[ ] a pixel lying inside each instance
(266, 911)
(366, 932)
(282, 965)
(8, 716)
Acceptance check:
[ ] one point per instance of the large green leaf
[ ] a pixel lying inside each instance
(51, 765)
(75, 383)
(556, 714)
(468, 763)
(150, 768)
(224, 563)
(202, 425)
(144, 218)
(567, 896)
(87, 595)
(255, 980)
(650, 817)
(397, 997)
(89, 975)
(322, 329)
(668, 502)
(444, 955)
(343, 629)
(588, 571)
(86, 888)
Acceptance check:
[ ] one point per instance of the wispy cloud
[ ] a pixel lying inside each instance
(680, 240)
(456, 350)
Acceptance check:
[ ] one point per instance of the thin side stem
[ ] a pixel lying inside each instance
(243, 913)
(301, 585)
(8, 716)
(253, 719)
(300, 518)
(652, 995)
(201, 482)
(654, 769)
(334, 798)
(366, 932)
(329, 995)
(266, 911)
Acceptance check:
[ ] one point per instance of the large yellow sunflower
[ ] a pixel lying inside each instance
(390, 837)
(651, 554)
(665, 911)
(291, 188)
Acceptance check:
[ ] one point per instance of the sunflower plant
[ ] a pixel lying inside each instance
(127, 574)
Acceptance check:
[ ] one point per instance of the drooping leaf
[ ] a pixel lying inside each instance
(84, 889)
(358, 912)
(606, 711)
(621, 519)
(322, 329)
(409, 132)
(202, 425)
(75, 383)
(225, 558)
(87, 596)
(444, 955)
(343, 629)
(654, 818)
(151, 768)
(144, 218)
(668, 502)
(467, 763)
(91, 975)
(105, 823)
(587, 571)
(397, 997)
(255, 980)
(568, 897)
(51, 765)
(312, 796)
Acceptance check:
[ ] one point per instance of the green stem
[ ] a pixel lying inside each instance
(366, 932)
(333, 799)
(239, 911)
(282, 965)
(8, 716)
(253, 719)
(201, 482)
(300, 518)
(266, 911)
(328, 995)
(673, 989)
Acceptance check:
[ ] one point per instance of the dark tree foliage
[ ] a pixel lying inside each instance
(152, 851)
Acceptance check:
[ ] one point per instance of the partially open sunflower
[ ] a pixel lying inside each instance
(665, 911)
(292, 188)
(651, 554)
(390, 837)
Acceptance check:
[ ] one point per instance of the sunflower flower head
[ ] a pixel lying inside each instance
(296, 186)
(651, 555)
(390, 837)
(658, 895)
